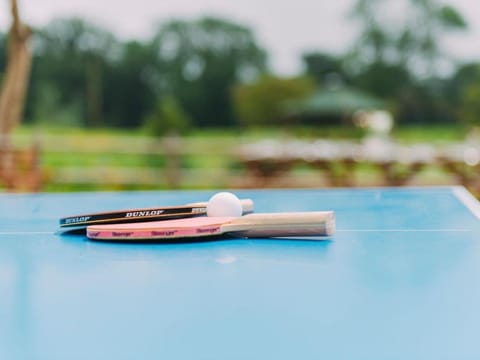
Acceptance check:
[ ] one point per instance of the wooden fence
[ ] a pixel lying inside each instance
(340, 163)
(60, 162)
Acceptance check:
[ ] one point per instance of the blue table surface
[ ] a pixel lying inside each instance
(399, 280)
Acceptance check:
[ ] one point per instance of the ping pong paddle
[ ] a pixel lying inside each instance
(315, 223)
(145, 214)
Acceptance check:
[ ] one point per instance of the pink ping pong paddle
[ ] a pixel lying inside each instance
(317, 223)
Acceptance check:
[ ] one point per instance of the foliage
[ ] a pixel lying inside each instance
(470, 104)
(470, 109)
(384, 80)
(413, 42)
(200, 61)
(113, 83)
(51, 110)
(129, 93)
(71, 56)
(3, 52)
(373, 40)
(263, 102)
(399, 58)
(216, 70)
(322, 66)
(167, 118)
(464, 76)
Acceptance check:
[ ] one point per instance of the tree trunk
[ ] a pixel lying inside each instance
(17, 73)
(94, 91)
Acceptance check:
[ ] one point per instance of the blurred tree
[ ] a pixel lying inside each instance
(384, 80)
(373, 39)
(167, 118)
(420, 42)
(470, 105)
(84, 70)
(200, 61)
(168, 121)
(424, 103)
(413, 41)
(3, 53)
(464, 93)
(17, 73)
(463, 77)
(400, 58)
(264, 102)
(321, 66)
(71, 56)
(130, 93)
(49, 109)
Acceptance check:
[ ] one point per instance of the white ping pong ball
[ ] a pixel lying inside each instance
(224, 204)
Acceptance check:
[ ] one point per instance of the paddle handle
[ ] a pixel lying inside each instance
(313, 223)
(247, 205)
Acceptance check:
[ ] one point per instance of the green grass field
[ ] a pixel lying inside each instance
(104, 159)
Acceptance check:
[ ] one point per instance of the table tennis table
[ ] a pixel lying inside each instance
(399, 280)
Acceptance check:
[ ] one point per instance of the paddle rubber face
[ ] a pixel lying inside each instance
(253, 225)
(181, 228)
(142, 215)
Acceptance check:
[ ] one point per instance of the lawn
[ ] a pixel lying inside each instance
(106, 159)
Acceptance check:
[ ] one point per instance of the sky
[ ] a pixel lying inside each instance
(286, 28)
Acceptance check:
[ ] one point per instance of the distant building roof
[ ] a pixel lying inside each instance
(335, 100)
